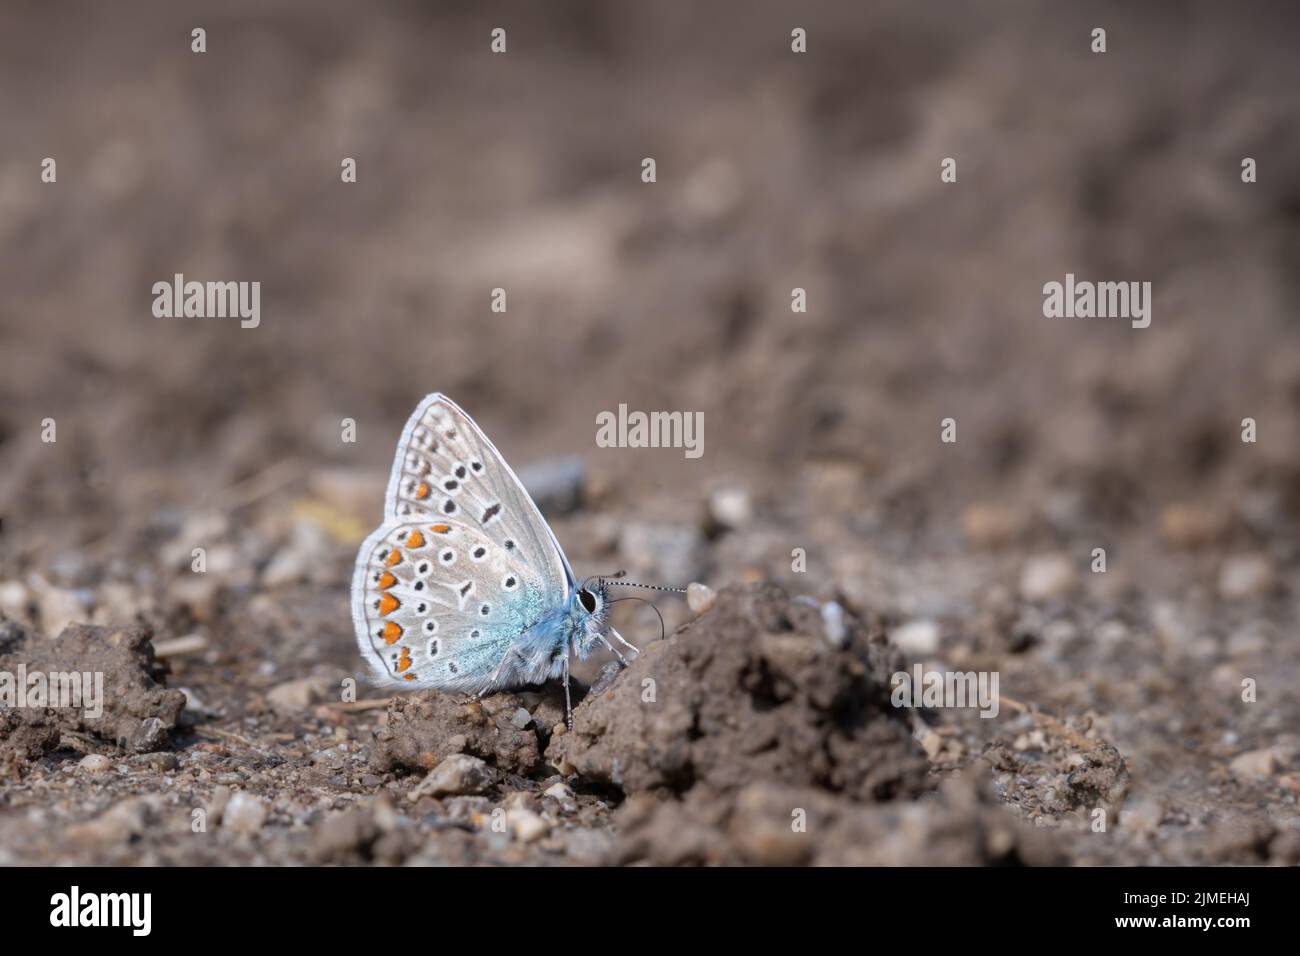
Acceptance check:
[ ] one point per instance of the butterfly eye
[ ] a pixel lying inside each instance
(588, 600)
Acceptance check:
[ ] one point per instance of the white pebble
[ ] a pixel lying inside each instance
(1245, 576)
(558, 791)
(700, 597)
(833, 622)
(730, 507)
(244, 813)
(95, 763)
(526, 825)
(1047, 577)
(917, 638)
(1256, 764)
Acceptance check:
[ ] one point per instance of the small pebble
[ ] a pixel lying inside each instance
(1256, 764)
(605, 679)
(991, 525)
(730, 508)
(527, 826)
(244, 813)
(521, 800)
(917, 638)
(95, 763)
(1245, 576)
(1046, 577)
(700, 597)
(458, 774)
(558, 791)
(833, 623)
(297, 694)
(1189, 525)
(522, 718)
(180, 646)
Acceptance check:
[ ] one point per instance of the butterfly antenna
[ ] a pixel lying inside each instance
(663, 631)
(617, 577)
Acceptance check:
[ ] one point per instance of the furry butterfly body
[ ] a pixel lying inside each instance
(464, 586)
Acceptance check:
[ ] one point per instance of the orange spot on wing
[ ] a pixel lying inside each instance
(388, 604)
(394, 556)
(416, 540)
(440, 528)
(408, 677)
(392, 631)
(423, 491)
(404, 662)
(386, 581)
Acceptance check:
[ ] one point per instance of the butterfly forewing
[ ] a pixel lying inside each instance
(445, 466)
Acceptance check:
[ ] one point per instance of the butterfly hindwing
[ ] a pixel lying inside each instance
(437, 603)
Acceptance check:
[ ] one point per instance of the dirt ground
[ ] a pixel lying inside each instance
(844, 540)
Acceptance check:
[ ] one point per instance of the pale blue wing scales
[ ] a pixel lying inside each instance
(437, 603)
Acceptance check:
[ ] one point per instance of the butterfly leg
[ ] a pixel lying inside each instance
(636, 651)
(615, 651)
(568, 705)
(493, 684)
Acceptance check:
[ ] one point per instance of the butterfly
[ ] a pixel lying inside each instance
(464, 586)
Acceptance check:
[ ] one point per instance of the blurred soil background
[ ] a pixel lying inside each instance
(226, 739)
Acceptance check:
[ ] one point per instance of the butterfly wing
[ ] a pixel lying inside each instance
(463, 565)
(446, 466)
(438, 603)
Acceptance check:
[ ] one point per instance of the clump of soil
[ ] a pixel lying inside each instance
(138, 712)
(1057, 768)
(752, 690)
(507, 731)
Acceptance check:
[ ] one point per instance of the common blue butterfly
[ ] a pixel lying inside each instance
(464, 586)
